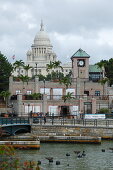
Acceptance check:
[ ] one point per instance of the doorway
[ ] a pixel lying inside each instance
(64, 111)
(86, 92)
(87, 107)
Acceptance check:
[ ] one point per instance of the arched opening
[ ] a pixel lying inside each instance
(20, 131)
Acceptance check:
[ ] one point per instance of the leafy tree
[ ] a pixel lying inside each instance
(41, 77)
(18, 64)
(5, 95)
(54, 65)
(24, 78)
(103, 82)
(66, 81)
(108, 66)
(9, 160)
(57, 64)
(101, 64)
(26, 68)
(36, 96)
(49, 66)
(5, 72)
(104, 110)
(54, 75)
(48, 77)
(68, 96)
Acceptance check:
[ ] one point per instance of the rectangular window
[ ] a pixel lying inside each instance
(17, 91)
(28, 92)
(71, 91)
(53, 110)
(57, 93)
(97, 93)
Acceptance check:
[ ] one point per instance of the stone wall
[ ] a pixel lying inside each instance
(47, 130)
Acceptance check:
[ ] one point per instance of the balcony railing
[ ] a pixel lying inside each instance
(77, 97)
(60, 97)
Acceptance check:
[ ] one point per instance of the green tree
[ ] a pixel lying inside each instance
(108, 66)
(36, 96)
(24, 78)
(57, 64)
(103, 82)
(104, 110)
(66, 81)
(27, 68)
(49, 66)
(5, 95)
(5, 72)
(54, 65)
(41, 77)
(68, 96)
(18, 64)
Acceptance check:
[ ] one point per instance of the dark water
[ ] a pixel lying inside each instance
(95, 159)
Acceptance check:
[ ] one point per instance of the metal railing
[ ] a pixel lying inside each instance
(16, 120)
(51, 120)
(57, 97)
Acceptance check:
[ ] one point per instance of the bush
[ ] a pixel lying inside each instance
(104, 110)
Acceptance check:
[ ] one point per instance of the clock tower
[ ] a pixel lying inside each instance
(80, 64)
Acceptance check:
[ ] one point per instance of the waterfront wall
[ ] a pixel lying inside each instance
(60, 130)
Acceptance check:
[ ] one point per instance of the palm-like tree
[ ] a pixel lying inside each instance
(5, 95)
(36, 96)
(101, 65)
(24, 78)
(18, 64)
(54, 65)
(68, 96)
(66, 81)
(49, 66)
(103, 82)
(26, 68)
(57, 64)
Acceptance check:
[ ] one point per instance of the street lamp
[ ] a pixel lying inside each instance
(44, 85)
(36, 68)
(28, 110)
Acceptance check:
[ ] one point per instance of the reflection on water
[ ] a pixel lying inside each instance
(95, 159)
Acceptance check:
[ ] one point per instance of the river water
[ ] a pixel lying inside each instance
(95, 159)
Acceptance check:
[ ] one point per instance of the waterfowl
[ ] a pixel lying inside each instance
(83, 153)
(50, 159)
(77, 152)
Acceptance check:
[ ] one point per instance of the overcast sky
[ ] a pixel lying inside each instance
(71, 24)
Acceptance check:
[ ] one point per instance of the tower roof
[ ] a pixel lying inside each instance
(94, 68)
(81, 54)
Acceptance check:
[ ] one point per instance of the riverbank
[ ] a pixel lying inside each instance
(70, 139)
(70, 130)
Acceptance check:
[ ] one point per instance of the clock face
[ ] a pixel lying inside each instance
(81, 63)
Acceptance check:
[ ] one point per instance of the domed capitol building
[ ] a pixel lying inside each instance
(41, 54)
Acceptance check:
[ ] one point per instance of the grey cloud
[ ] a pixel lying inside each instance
(20, 21)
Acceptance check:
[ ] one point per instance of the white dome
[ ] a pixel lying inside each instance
(42, 38)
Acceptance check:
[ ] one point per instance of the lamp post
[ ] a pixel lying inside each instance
(36, 69)
(28, 110)
(44, 85)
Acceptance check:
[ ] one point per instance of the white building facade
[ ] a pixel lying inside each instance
(40, 55)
